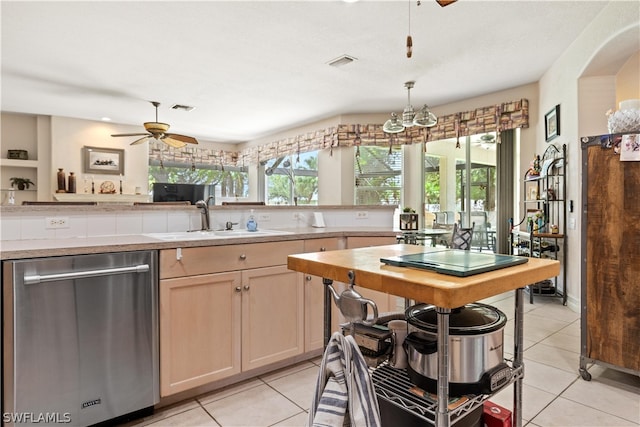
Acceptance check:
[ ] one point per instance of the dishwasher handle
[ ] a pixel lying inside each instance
(36, 278)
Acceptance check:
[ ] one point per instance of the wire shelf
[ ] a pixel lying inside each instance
(393, 386)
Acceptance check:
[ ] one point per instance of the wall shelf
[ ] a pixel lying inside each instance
(15, 163)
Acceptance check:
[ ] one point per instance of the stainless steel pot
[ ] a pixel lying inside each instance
(476, 356)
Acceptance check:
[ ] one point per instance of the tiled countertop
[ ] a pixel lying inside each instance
(19, 249)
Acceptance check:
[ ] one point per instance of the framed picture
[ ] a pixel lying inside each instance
(108, 161)
(552, 123)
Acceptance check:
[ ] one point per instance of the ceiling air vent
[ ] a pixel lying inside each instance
(342, 61)
(182, 107)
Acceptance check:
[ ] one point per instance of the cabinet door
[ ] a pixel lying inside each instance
(272, 315)
(199, 330)
(385, 302)
(314, 299)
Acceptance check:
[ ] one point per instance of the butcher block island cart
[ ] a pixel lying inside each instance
(445, 292)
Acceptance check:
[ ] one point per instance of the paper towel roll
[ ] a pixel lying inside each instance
(318, 220)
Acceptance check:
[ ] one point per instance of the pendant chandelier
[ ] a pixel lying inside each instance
(422, 118)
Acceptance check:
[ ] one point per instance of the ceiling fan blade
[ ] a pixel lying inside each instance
(444, 3)
(129, 134)
(141, 140)
(173, 142)
(183, 138)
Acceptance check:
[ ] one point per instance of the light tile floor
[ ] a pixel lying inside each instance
(554, 393)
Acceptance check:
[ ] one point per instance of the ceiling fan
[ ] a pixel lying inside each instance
(486, 141)
(158, 131)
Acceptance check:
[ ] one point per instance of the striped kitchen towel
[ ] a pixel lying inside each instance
(344, 394)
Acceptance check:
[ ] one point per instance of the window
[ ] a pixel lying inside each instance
(432, 183)
(450, 195)
(483, 187)
(230, 182)
(292, 180)
(378, 176)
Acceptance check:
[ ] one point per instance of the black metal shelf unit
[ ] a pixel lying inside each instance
(541, 231)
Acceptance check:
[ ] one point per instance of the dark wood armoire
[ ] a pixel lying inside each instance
(610, 254)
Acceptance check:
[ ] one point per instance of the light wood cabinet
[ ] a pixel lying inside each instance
(216, 323)
(314, 298)
(272, 316)
(217, 259)
(200, 330)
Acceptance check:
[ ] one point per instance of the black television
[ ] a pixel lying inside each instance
(166, 192)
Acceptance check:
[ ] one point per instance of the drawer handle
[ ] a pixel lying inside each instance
(246, 287)
(243, 257)
(308, 278)
(323, 249)
(238, 288)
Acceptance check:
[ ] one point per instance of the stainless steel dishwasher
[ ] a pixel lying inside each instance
(83, 338)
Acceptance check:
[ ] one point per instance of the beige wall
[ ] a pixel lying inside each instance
(71, 135)
(627, 81)
(584, 99)
(57, 142)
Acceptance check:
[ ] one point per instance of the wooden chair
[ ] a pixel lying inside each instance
(461, 237)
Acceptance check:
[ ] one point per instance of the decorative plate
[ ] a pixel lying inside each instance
(107, 187)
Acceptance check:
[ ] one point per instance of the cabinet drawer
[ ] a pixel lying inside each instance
(321, 245)
(215, 259)
(361, 242)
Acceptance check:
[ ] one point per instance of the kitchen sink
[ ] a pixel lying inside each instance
(213, 234)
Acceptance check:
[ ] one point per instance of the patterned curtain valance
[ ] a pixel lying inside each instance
(494, 118)
(160, 153)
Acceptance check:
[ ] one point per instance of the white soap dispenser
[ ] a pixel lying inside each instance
(252, 225)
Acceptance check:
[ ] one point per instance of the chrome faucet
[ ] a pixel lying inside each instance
(203, 205)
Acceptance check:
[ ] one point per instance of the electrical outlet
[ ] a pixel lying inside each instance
(572, 223)
(297, 215)
(362, 215)
(264, 217)
(57, 222)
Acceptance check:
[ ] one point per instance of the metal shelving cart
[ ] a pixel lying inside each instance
(363, 268)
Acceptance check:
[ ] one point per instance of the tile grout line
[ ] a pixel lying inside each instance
(208, 413)
(588, 406)
(556, 398)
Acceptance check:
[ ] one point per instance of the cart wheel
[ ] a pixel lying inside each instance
(585, 375)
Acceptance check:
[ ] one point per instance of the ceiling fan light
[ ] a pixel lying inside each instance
(393, 125)
(425, 118)
(155, 127)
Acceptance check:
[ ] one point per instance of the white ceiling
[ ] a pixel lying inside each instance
(253, 68)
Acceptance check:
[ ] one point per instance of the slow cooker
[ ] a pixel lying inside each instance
(476, 353)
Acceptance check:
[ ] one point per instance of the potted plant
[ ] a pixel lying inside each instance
(21, 183)
(408, 219)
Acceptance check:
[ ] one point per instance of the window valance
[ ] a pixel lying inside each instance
(494, 118)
